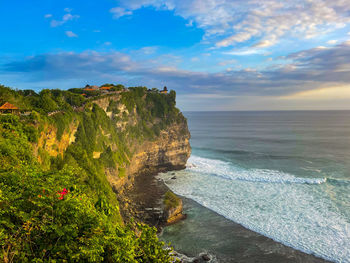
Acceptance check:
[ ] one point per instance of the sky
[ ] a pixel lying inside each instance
(216, 54)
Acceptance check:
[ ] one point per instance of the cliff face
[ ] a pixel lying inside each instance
(121, 120)
(169, 151)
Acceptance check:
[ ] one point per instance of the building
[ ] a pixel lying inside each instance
(165, 90)
(105, 89)
(9, 108)
(90, 88)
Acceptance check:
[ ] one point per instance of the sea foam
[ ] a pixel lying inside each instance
(227, 171)
(299, 212)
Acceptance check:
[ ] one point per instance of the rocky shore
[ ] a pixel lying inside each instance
(143, 201)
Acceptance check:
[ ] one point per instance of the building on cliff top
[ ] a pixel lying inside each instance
(9, 108)
(105, 89)
(165, 90)
(89, 87)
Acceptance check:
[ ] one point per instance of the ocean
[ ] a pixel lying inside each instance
(282, 175)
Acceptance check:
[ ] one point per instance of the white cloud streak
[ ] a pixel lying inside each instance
(71, 34)
(65, 18)
(230, 22)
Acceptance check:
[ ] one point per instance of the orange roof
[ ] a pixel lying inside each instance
(8, 106)
(105, 88)
(88, 89)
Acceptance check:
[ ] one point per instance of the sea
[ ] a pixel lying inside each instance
(265, 187)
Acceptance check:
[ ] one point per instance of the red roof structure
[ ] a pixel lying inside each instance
(89, 89)
(105, 88)
(8, 106)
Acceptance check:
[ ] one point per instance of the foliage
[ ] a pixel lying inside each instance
(171, 200)
(57, 215)
(63, 209)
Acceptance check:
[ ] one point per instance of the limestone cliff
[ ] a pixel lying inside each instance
(118, 137)
(169, 151)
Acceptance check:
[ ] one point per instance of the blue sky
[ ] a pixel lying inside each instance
(217, 54)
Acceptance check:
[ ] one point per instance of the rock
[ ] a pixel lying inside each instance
(205, 257)
(173, 178)
(172, 208)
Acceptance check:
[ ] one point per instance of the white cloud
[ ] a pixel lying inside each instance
(119, 12)
(149, 50)
(71, 34)
(65, 19)
(48, 15)
(228, 22)
(245, 52)
(332, 42)
(107, 43)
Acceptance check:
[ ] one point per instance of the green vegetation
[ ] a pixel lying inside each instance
(171, 200)
(62, 208)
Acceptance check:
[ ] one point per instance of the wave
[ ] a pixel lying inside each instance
(230, 172)
(257, 155)
(295, 211)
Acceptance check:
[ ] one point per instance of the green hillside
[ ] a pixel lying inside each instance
(56, 204)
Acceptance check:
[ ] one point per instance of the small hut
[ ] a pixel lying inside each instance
(9, 108)
(165, 90)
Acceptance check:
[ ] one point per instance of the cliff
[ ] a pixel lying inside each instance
(68, 162)
(112, 137)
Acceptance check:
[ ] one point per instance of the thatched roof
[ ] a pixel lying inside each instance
(8, 106)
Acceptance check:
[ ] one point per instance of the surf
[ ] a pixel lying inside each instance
(292, 210)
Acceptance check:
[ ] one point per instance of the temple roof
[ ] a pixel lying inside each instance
(8, 106)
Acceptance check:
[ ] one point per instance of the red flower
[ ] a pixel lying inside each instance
(63, 193)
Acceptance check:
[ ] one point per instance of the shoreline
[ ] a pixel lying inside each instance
(143, 201)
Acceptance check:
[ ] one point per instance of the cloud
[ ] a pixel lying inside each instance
(65, 19)
(228, 22)
(245, 52)
(332, 42)
(48, 15)
(308, 70)
(71, 34)
(148, 50)
(119, 12)
(227, 62)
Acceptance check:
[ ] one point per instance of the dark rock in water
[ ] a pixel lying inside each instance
(205, 257)
(173, 178)
(196, 260)
(172, 173)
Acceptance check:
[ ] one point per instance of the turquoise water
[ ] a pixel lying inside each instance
(285, 175)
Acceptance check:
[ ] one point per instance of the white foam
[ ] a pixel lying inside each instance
(225, 170)
(298, 212)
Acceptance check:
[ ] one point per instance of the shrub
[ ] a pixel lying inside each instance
(171, 200)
